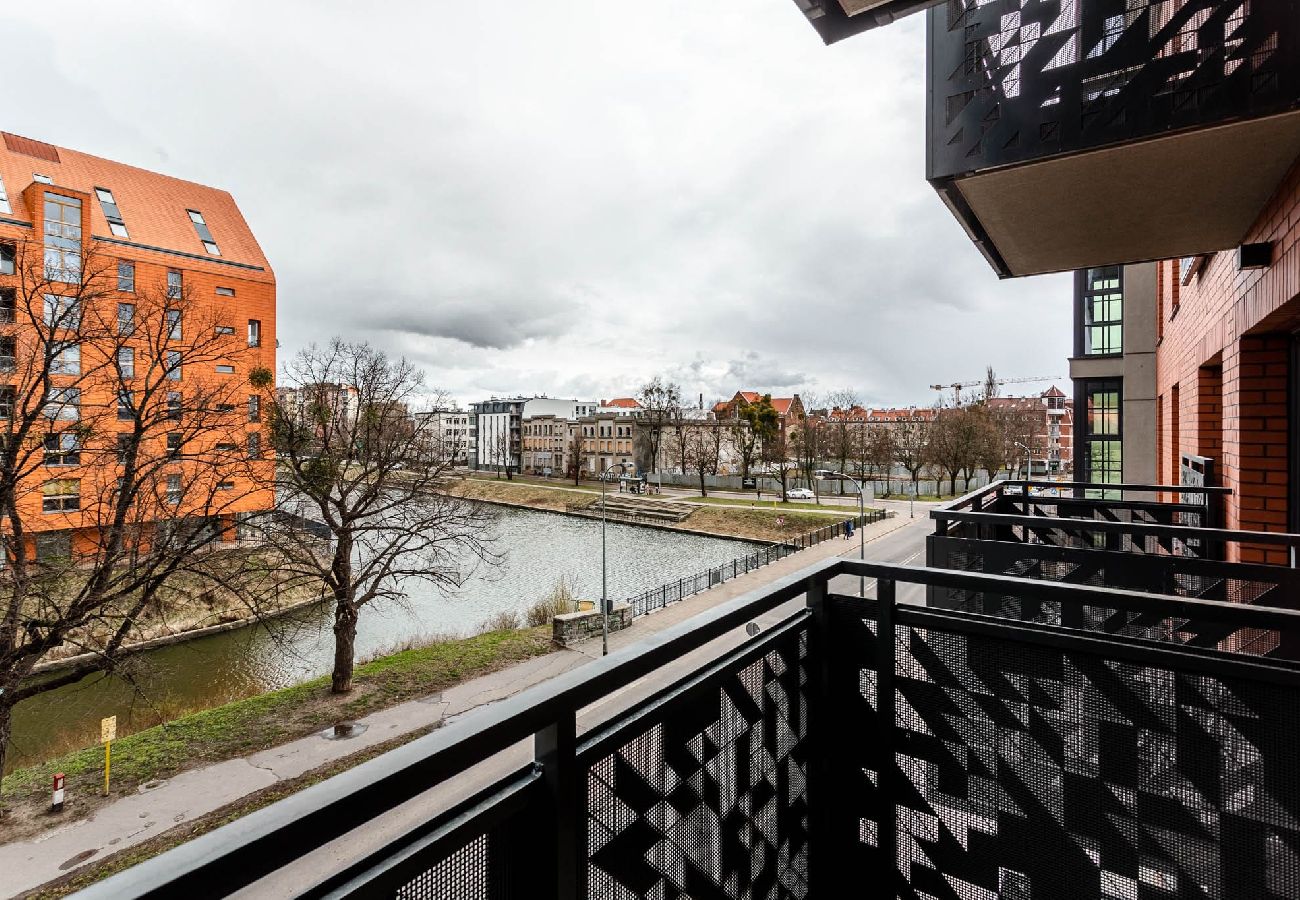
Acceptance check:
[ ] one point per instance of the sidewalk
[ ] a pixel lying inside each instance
(29, 863)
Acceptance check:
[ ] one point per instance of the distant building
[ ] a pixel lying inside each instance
(621, 406)
(450, 429)
(496, 429)
(1053, 422)
(789, 410)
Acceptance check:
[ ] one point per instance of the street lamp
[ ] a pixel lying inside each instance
(822, 475)
(1029, 465)
(604, 577)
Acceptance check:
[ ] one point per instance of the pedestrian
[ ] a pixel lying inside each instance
(848, 529)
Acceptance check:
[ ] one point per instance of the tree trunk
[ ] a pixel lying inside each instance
(345, 642)
(703, 491)
(6, 728)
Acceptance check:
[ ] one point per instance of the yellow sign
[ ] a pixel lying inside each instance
(108, 729)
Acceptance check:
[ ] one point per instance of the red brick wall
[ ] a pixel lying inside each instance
(1239, 320)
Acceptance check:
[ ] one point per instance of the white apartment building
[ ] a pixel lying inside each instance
(496, 426)
(450, 430)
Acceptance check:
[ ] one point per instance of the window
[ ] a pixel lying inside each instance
(126, 362)
(62, 450)
(225, 329)
(225, 370)
(1103, 312)
(7, 397)
(8, 354)
(4, 199)
(173, 443)
(126, 318)
(225, 407)
(62, 312)
(53, 546)
(201, 227)
(226, 448)
(254, 408)
(111, 212)
(174, 405)
(125, 406)
(254, 333)
(41, 179)
(62, 238)
(63, 403)
(174, 490)
(1103, 449)
(225, 485)
(172, 365)
(225, 292)
(8, 306)
(8, 258)
(173, 324)
(126, 277)
(175, 284)
(61, 495)
(124, 443)
(254, 444)
(66, 360)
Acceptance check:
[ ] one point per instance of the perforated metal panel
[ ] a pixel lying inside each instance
(461, 876)
(709, 799)
(1037, 773)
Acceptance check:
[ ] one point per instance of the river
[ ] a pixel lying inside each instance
(537, 549)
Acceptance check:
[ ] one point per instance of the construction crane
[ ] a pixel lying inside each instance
(959, 386)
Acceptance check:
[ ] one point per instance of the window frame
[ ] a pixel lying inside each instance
(66, 502)
(125, 275)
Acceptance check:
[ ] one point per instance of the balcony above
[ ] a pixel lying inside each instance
(1071, 134)
(837, 19)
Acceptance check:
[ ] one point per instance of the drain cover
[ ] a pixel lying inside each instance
(343, 731)
(77, 860)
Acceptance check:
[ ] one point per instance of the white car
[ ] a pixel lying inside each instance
(800, 494)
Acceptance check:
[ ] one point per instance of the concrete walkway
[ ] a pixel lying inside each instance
(123, 823)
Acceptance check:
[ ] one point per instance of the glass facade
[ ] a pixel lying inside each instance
(1103, 312)
(62, 238)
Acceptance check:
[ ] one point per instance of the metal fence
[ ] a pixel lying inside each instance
(657, 598)
(856, 743)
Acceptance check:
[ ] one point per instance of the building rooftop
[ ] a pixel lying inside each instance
(154, 208)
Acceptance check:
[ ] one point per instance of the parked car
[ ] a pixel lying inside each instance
(800, 494)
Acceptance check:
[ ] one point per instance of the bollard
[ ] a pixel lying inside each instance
(56, 801)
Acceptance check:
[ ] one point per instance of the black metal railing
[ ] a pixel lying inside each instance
(1135, 544)
(657, 598)
(853, 741)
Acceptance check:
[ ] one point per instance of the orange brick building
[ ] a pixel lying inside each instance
(141, 234)
(1228, 369)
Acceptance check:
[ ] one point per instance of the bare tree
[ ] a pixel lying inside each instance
(577, 453)
(661, 402)
(881, 452)
(840, 436)
(911, 442)
(361, 469)
(124, 455)
(954, 443)
(702, 450)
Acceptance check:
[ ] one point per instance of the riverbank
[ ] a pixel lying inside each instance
(750, 523)
(246, 726)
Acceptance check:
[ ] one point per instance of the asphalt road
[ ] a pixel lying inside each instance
(905, 545)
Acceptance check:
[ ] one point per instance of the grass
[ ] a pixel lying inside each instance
(246, 726)
(756, 524)
(535, 496)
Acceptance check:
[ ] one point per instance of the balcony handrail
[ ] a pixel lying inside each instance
(1118, 486)
(240, 853)
(1285, 539)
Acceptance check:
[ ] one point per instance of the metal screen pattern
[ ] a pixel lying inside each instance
(1040, 773)
(709, 799)
(1018, 80)
(461, 876)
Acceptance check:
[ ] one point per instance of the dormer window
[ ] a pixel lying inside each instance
(200, 226)
(4, 199)
(41, 179)
(111, 212)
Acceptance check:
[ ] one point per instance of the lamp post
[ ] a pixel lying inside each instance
(1029, 465)
(604, 570)
(822, 475)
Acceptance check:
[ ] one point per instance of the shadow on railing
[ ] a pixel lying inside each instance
(946, 753)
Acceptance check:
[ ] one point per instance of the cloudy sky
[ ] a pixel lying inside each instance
(563, 197)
